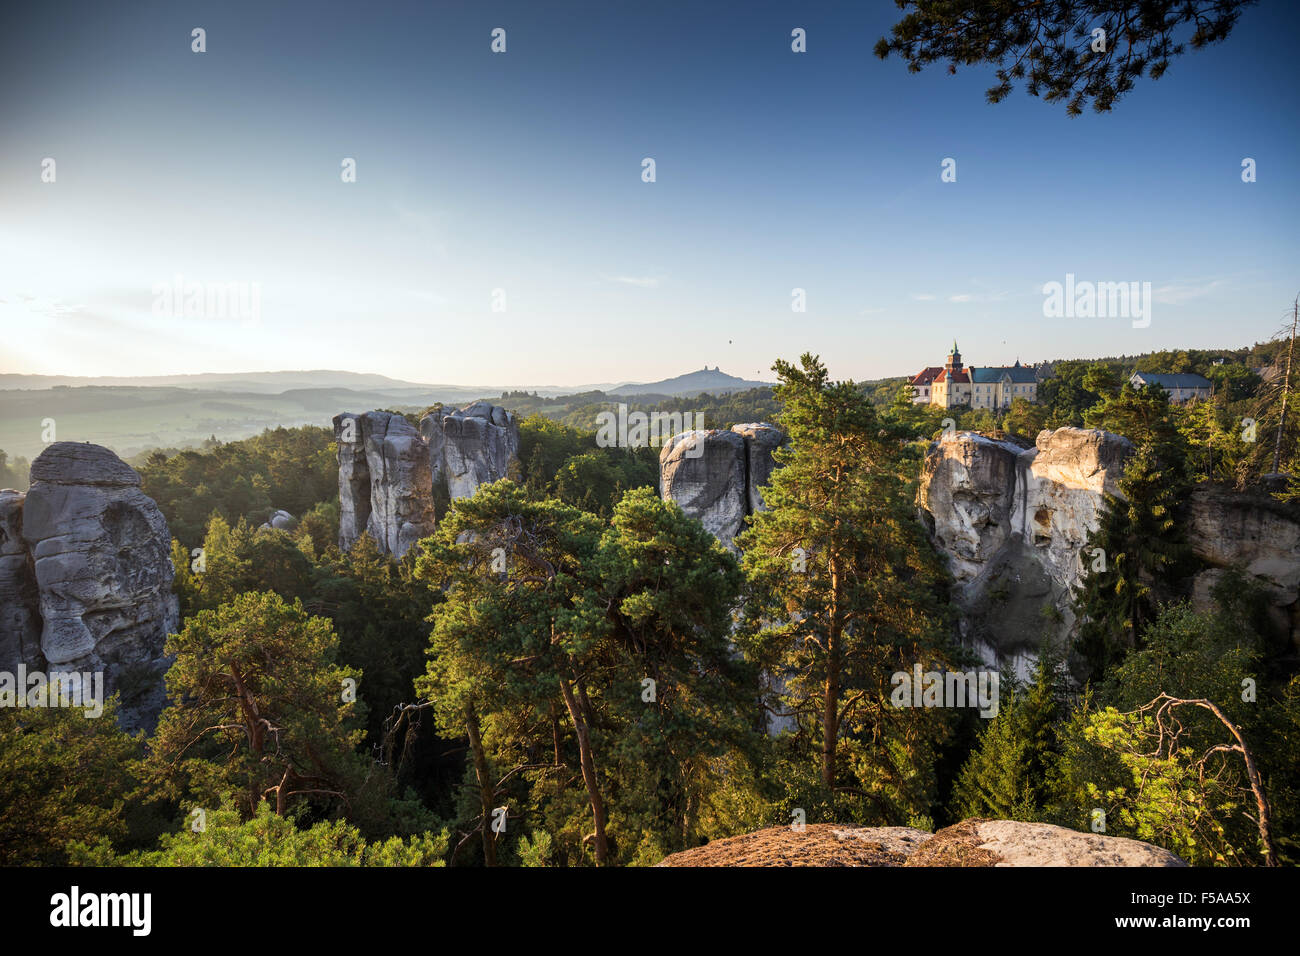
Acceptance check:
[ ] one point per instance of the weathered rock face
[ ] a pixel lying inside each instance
(704, 472)
(969, 843)
(388, 469)
(1061, 487)
(1253, 531)
(279, 521)
(966, 495)
(716, 475)
(384, 485)
(1013, 523)
(1013, 843)
(1256, 533)
(354, 479)
(20, 619)
(819, 844)
(471, 446)
(761, 440)
(97, 557)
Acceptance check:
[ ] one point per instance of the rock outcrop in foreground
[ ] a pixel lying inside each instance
(86, 576)
(717, 476)
(1014, 524)
(969, 843)
(391, 473)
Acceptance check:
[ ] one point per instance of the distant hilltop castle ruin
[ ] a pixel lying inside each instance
(989, 387)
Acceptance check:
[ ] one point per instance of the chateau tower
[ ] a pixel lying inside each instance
(954, 359)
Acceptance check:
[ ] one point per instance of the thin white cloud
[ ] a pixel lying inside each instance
(1175, 293)
(425, 295)
(923, 297)
(641, 282)
(52, 307)
(977, 297)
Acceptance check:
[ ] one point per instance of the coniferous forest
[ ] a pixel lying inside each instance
(476, 687)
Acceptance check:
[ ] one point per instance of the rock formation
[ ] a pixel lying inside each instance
(969, 843)
(717, 476)
(1064, 481)
(385, 488)
(1015, 843)
(391, 473)
(278, 521)
(704, 472)
(1014, 525)
(761, 440)
(1256, 533)
(85, 562)
(20, 620)
(470, 447)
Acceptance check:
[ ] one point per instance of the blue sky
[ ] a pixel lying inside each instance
(522, 171)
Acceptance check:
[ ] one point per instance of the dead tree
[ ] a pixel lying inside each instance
(1169, 728)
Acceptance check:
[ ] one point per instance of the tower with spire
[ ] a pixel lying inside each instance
(954, 359)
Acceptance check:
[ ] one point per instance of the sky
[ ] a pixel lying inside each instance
(488, 180)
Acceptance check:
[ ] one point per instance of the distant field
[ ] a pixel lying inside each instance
(130, 419)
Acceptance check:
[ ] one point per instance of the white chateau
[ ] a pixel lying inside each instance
(990, 387)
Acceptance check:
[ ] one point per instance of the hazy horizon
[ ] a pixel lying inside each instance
(615, 383)
(521, 171)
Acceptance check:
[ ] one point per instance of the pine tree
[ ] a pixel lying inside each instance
(259, 710)
(1139, 550)
(585, 660)
(67, 779)
(1078, 51)
(1142, 547)
(842, 592)
(1007, 775)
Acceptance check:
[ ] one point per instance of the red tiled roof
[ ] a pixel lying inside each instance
(926, 376)
(955, 377)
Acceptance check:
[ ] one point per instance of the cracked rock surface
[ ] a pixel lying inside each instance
(85, 563)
